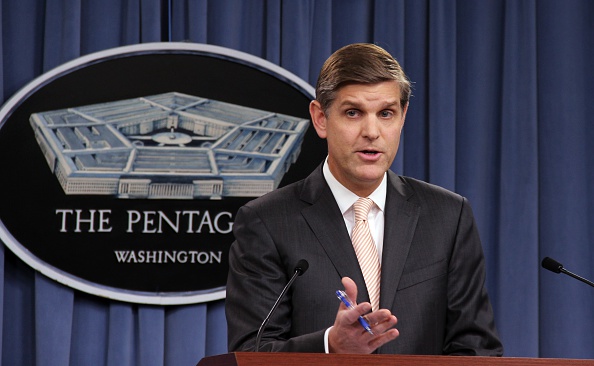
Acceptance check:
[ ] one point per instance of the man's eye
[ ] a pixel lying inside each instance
(386, 114)
(352, 113)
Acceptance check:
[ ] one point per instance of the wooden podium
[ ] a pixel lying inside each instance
(300, 359)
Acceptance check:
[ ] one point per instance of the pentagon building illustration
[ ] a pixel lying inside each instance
(168, 146)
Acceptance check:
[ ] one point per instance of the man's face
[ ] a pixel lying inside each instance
(363, 127)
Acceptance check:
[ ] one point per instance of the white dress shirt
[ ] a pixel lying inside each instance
(345, 200)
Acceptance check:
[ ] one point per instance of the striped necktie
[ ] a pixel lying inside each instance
(366, 250)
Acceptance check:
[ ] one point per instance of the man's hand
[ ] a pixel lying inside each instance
(348, 336)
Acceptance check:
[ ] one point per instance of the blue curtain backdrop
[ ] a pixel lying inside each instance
(501, 113)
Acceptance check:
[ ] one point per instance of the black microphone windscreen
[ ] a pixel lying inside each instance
(552, 265)
(301, 266)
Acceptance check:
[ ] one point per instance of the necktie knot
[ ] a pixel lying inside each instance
(362, 207)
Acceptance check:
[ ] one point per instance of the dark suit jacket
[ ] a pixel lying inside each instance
(433, 270)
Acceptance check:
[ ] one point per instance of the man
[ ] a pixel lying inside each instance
(425, 270)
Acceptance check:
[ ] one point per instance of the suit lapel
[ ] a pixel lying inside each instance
(401, 216)
(326, 222)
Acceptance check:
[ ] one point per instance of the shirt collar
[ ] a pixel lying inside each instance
(346, 198)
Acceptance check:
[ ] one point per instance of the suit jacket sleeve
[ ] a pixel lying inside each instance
(256, 272)
(470, 322)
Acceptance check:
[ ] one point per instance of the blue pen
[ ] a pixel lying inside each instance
(349, 304)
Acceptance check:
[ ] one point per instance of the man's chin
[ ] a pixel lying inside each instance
(371, 178)
(372, 172)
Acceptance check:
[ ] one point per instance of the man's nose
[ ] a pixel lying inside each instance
(370, 128)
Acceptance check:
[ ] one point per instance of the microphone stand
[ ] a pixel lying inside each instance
(301, 267)
(563, 270)
(556, 267)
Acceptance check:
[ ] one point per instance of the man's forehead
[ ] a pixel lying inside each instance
(387, 92)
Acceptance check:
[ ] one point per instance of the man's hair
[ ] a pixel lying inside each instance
(359, 63)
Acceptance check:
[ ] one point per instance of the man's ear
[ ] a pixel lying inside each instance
(318, 118)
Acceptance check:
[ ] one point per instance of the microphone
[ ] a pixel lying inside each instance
(300, 269)
(554, 266)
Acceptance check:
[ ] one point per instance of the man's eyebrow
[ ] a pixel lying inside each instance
(390, 104)
(356, 104)
(349, 103)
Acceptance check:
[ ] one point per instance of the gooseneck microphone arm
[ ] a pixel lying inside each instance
(554, 266)
(300, 269)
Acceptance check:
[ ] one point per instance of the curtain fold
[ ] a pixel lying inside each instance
(479, 123)
(565, 171)
(54, 305)
(442, 93)
(90, 324)
(415, 62)
(518, 177)
(151, 335)
(501, 113)
(185, 334)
